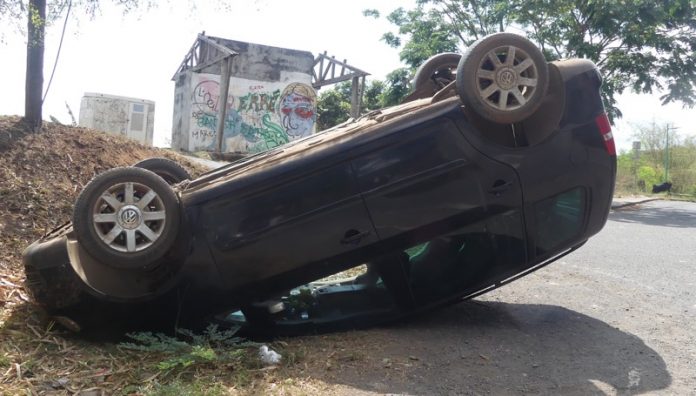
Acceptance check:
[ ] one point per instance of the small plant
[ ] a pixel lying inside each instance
(5, 361)
(189, 349)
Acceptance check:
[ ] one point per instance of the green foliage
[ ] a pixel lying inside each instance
(301, 301)
(333, 107)
(372, 99)
(397, 87)
(638, 171)
(5, 361)
(647, 175)
(428, 31)
(637, 44)
(371, 13)
(177, 353)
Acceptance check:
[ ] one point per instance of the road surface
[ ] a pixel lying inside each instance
(618, 316)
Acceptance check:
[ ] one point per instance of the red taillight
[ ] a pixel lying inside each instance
(604, 126)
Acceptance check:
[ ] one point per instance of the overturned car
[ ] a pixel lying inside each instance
(499, 163)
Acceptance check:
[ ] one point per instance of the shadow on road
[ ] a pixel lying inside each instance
(497, 348)
(670, 216)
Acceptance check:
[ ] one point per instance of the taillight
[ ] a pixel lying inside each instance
(604, 126)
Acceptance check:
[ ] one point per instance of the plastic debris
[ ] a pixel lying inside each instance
(269, 356)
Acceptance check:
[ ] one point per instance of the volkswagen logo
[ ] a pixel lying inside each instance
(129, 217)
(506, 78)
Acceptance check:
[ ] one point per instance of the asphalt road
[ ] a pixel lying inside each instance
(618, 316)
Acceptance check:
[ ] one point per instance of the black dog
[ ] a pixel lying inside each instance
(658, 188)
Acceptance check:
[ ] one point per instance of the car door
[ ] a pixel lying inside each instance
(454, 211)
(301, 224)
(427, 179)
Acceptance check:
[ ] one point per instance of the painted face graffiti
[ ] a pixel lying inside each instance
(297, 107)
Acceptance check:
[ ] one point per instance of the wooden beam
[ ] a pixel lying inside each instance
(222, 101)
(336, 80)
(333, 60)
(217, 46)
(209, 63)
(354, 98)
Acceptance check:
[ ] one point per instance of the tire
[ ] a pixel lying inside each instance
(437, 71)
(165, 168)
(503, 77)
(116, 232)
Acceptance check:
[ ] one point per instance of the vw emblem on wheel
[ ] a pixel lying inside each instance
(506, 78)
(129, 218)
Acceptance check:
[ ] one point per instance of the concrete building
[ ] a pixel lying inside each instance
(270, 98)
(118, 115)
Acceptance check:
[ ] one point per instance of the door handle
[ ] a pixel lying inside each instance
(354, 237)
(499, 187)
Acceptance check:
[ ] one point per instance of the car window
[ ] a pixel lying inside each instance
(462, 261)
(558, 219)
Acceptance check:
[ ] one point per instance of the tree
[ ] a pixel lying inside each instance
(36, 28)
(333, 107)
(396, 87)
(39, 14)
(373, 94)
(665, 155)
(640, 45)
(428, 32)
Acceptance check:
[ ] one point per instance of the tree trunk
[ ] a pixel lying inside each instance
(33, 100)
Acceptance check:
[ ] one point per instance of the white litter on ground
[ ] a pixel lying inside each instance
(269, 356)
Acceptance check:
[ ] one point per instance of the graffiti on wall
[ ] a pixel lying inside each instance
(260, 116)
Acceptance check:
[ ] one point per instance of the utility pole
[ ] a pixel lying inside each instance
(667, 151)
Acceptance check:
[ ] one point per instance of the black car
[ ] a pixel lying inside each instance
(498, 164)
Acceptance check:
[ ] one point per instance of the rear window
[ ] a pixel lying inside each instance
(559, 219)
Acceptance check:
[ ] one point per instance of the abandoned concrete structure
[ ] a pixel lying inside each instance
(119, 115)
(270, 98)
(270, 101)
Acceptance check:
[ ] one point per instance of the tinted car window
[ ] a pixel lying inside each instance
(468, 258)
(558, 219)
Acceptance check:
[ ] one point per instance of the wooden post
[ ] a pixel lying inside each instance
(355, 98)
(226, 66)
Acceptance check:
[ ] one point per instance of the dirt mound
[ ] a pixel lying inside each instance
(41, 175)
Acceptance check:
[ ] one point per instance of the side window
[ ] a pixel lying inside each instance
(467, 259)
(558, 219)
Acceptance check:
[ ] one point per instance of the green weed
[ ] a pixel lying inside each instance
(189, 349)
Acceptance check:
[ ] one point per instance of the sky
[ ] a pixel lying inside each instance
(137, 54)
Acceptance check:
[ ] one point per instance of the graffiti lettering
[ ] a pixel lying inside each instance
(203, 133)
(258, 101)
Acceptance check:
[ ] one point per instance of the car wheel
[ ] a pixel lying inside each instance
(127, 217)
(437, 71)
(165, 168)
(503, 77)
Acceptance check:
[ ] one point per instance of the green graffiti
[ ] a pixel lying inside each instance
(272, 135)
(254, 101)
(204, 120)
(209, 121)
